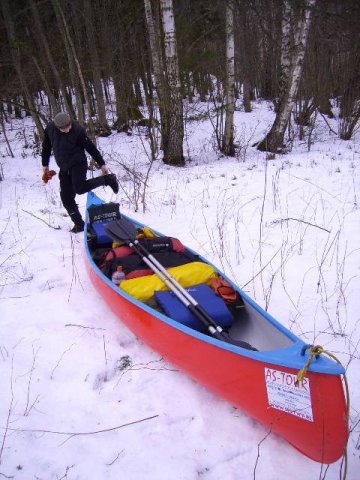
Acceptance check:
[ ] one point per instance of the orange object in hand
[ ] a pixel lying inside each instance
(48, 175)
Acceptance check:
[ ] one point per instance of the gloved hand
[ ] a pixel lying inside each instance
(104, 170)
(47, 175)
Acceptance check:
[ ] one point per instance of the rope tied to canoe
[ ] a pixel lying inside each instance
(315, 351)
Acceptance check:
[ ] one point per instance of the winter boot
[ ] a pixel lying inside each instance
(112, 182)
(78, 222)
(77, 228)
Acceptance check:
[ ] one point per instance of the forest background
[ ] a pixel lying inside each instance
(161, 56)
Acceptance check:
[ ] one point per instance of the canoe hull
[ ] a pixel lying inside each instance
(239, 379)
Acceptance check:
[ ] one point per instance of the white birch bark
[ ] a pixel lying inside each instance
(157, 63)
(285, 61)
(154, 46)
(173, 137)
(228, 137)
(273, 142)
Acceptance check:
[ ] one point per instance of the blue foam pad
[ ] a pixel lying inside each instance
(214, 306)
(101, 236)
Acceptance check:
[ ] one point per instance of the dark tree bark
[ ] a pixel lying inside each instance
(172, 139)
(95, 68)
(350, 104)
(72, 55)
(15, 53)
(39, 29)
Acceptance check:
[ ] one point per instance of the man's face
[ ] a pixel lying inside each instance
(66, 129)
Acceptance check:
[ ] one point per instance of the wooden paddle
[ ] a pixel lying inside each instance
(124, 231)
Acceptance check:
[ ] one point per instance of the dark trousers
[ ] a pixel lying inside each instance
(73, 182)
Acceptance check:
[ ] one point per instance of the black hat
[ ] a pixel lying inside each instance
(62, 120)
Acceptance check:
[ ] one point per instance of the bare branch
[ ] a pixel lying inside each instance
(258, 453)
(282, 220)
(83, 326)
(42, 220)
(58, 363)
(27, 409)
(116, 458)
(6, 428)
(77, 434)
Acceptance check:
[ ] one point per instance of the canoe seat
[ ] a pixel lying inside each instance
(214, 306)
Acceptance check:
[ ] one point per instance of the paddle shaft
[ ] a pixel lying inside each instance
(178, 290)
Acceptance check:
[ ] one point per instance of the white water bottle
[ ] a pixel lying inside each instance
(118, 276)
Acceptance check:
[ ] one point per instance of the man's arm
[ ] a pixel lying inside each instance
(91, 149)
(46, 151)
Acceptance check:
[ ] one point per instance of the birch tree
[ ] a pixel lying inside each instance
(157, 61)
(155, 47)
(228, 137)
(273, 141)
(172, 137)
(285, 61)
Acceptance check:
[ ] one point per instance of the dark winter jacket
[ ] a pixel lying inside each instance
(69, 148)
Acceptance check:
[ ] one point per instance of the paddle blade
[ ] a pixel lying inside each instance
(121, 230)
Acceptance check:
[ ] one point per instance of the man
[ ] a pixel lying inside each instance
(68, 140)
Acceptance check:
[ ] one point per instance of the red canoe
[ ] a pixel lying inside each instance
(310, 415)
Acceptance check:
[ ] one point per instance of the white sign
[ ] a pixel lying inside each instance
(285, 395)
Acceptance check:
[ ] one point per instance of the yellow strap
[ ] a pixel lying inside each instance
(146, 233)
(315, 351)
(116, 244)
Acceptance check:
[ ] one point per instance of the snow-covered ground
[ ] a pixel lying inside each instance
(82, 398)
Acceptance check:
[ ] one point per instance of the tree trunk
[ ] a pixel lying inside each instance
(77, 63)
(53, 107)
(95, 66)
(155, 48)
(247, 96)
(273, 141)
(137, 91)
(246, 70)
(228, 137)
(5, 136)
(173, 137)
(348, 124)
(127, 110)
(285, 60)
(49, 57)
(71, 65)
(157, 64)
(15, 54)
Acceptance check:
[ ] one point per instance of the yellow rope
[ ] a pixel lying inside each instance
(314, 352)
